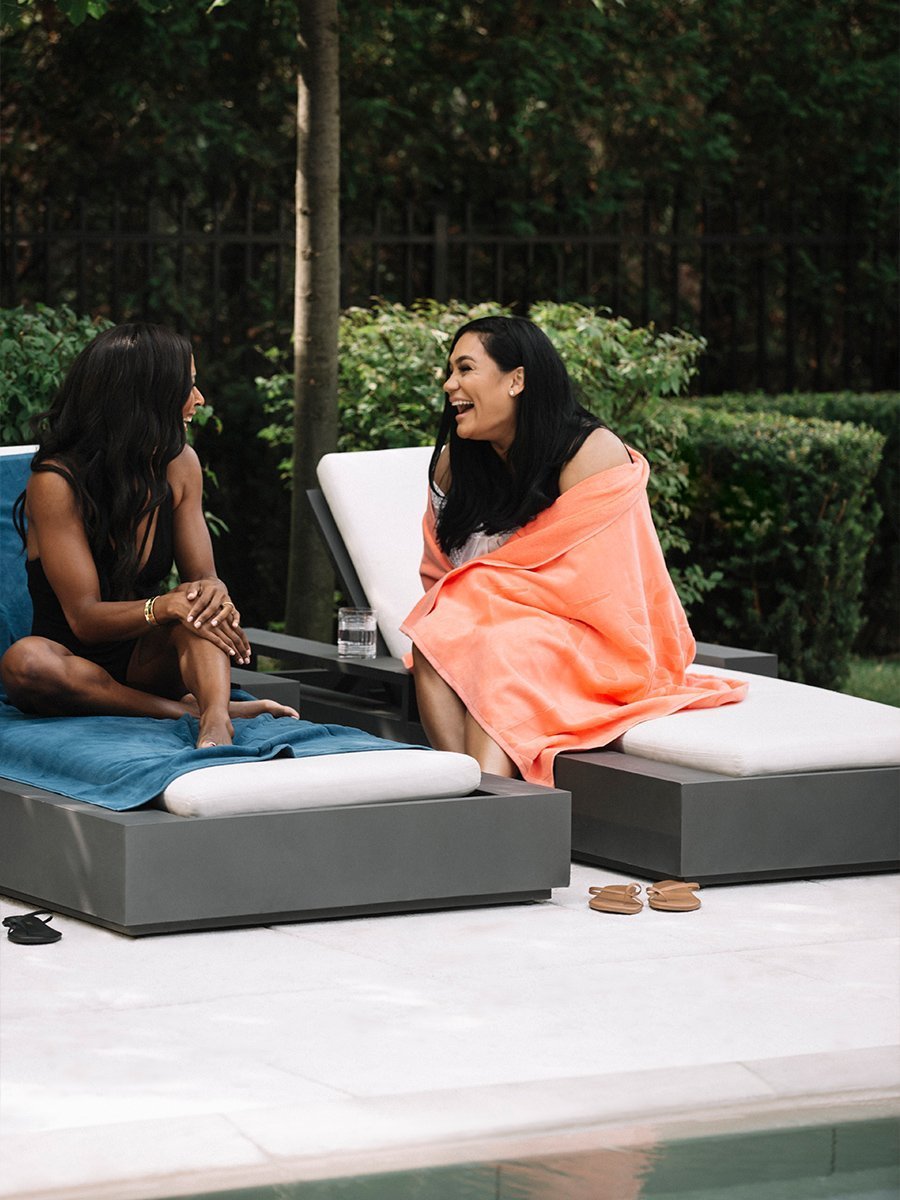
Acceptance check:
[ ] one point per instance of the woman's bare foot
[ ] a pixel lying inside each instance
(215, 730)
(255, 708)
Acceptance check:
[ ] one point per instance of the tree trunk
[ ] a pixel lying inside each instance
(310, 587)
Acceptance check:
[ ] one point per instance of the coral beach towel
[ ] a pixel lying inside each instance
(569, 634)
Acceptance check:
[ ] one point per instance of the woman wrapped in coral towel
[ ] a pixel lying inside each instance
(549, 621)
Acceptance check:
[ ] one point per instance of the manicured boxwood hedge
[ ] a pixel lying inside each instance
(880, 633)
(784, 509)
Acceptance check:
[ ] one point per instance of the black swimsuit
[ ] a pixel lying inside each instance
(49, 620)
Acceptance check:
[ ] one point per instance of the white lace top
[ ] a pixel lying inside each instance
(477, 543)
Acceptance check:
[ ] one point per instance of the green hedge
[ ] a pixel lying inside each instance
(37, 346)
(783, 508)
(880, 633)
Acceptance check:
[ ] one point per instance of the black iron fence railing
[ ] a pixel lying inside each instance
(785, 302)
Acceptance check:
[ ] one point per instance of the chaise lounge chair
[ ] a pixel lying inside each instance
(795, 781)
(281, 840)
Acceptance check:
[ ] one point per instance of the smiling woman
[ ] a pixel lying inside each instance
(510, 431)
(482, 395)
(549, 622)
(114, 495)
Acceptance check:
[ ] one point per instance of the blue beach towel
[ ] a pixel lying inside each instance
(123, 762)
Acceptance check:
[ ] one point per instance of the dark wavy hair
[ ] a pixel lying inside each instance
(112, 430)
(487, 492)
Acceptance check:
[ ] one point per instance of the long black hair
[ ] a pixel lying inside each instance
(487, 492)
(113, 428)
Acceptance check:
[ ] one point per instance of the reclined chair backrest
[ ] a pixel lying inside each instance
(377, 499)
(15, 603)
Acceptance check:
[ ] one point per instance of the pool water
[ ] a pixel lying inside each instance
(856, 1160)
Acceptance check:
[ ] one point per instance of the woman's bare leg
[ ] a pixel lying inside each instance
(206, 670)
(45, 678)
(443, 713)
(178, 662)
(491, 757)
(450, 727)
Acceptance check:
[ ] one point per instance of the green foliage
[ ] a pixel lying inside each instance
(544, 100)
(622, 372)
(881, 411)
(782, 507)
(555, 117)
(508, 130)
(162, 98)
(875, 679)
(37, 347)
(391, 368)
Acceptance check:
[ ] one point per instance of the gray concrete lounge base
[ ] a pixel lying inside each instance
(661, 820)
(147, 871)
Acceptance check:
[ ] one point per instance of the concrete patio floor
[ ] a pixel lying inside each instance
(192, 1063)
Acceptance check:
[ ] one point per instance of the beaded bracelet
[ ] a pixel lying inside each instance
(149, 615)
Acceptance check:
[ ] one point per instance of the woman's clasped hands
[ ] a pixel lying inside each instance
(204, 607)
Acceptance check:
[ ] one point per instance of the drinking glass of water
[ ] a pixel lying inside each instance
(356, 633)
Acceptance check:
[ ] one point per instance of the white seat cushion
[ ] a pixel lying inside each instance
(377, 499)
(278, 784)
(780, 727)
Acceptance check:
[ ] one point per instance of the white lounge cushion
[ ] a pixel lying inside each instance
(780, 727)
(377, 499)
(364, 777)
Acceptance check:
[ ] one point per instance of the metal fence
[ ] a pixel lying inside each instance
(783, 303)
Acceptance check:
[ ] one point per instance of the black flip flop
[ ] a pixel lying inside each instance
(29, 929)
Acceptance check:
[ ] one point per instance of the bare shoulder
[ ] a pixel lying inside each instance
(601, 451)
(50, 490)
(184, 473)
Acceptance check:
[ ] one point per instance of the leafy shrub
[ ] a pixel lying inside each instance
(782, 507)
(391, 368)
(881, 411)
(37, 347)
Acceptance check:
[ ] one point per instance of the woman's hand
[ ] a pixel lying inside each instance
(205, 608)
(209, 602)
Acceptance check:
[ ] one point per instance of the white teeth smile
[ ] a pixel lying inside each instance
(462, 405)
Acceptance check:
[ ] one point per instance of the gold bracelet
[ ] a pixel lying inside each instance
(149, 615)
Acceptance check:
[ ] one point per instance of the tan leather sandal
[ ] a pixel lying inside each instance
(615, 898)
(673, 895)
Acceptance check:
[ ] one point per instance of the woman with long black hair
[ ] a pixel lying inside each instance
(549, 621)
(115, 495)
